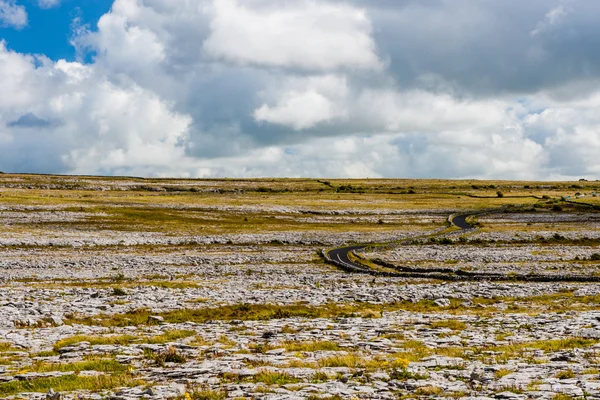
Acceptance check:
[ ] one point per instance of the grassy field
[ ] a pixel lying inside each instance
(201, 207)
(202, 288)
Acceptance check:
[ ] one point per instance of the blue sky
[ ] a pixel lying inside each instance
(317, 88)
(48, 30)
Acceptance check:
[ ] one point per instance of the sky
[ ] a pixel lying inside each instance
(481, 89)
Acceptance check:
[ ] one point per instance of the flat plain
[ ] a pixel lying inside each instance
(128, 288)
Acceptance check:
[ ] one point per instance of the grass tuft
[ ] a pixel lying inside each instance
(311, 346)
(450, 324)
(69, 383)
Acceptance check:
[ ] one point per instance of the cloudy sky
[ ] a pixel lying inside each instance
(317, 88)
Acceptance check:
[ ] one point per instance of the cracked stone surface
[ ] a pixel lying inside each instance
(67, 271)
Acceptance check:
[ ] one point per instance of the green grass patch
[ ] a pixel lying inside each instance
(4, 346)
(124, 340)
(450, 324)
(170, 336)
(93, 364)
(204, 394)
(70, 383)
(95, 340)
(566, 374)
(311, 346)
(274, 378)
(264, 312)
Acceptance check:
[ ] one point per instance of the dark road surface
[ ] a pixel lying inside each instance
(340, 256)
(461, 222)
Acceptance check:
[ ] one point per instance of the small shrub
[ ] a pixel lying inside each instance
(502, 372)
(118, 278)
(558, 237)
(260, 348)
(274, 378)
(450, 324)
(404, 375)
(429, 391)
(320, 377)
(562, 396)
(5, 346)
(201, 394)
(567, 374)
(289, 329)
(595, 257)
(557, 208)
(170, 355)
(119, 292)
(311, 346)
(499, 194)
(399, 363)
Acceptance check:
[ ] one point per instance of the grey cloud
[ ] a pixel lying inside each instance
(30, 120)
(485, 47)
(458, 83)
(33, 155)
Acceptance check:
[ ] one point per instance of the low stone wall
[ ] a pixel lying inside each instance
(452, 275)
(456, 275)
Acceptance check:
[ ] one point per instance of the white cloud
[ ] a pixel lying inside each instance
(12, 14)
(296, 88)
(130, 129)
(126, 46)
(571, 134)
(298, 110)
(421, 111)
(103, 126)
(303, 34)
(306, 102)
(552, 17)
(48, 3)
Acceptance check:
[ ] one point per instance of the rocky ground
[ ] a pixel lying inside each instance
(90, 309)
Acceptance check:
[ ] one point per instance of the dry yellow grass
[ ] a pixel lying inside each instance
(220, 206)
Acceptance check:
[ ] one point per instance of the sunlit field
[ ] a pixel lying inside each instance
(215, 289)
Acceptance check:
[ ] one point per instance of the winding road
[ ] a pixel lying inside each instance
(461, 221)
(346, 259)
(341, 256)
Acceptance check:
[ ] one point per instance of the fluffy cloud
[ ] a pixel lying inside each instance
(305, 103)
(48, 3)
(340, 88)
(303, 34)
(12, 14)
(84, 123)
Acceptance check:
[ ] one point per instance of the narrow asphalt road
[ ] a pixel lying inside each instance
(461, 222)
(341, 256)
